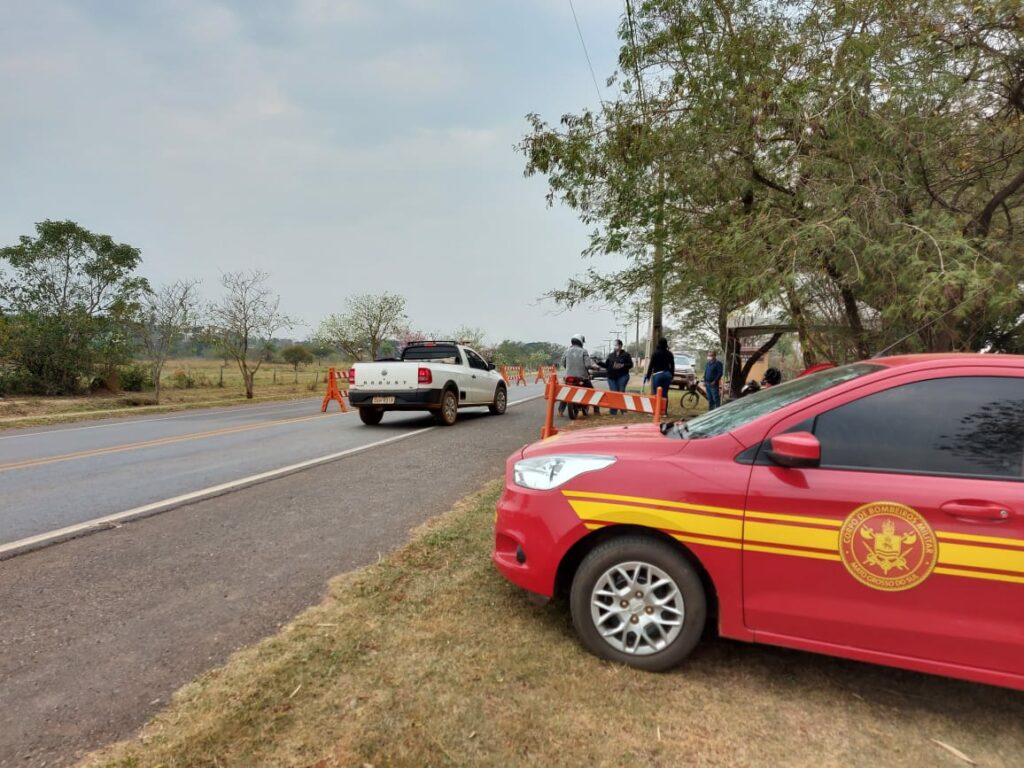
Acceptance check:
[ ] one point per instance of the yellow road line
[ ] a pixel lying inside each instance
(153, 443)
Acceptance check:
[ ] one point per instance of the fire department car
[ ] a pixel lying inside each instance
(873, 511)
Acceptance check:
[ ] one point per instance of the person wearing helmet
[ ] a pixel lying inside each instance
(576, 362)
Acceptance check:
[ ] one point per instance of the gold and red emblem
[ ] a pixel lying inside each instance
(888, 546)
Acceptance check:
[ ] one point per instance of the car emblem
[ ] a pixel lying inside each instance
(384, 372)
(888, 546)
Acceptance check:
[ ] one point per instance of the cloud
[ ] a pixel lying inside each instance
(425, 70)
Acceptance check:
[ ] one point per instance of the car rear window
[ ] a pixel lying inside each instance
(439, 353)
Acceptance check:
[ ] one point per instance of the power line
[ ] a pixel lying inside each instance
(586, 53)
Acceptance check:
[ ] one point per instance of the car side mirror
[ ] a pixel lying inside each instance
(795, 450)
(491, 366)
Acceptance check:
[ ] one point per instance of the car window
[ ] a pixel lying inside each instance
(966, 425)
(437, 353)
(475, 361)
(739, 412)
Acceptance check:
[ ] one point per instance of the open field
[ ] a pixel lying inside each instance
(187, 383)
(430, 658)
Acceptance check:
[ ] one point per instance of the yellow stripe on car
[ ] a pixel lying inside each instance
(995, 558)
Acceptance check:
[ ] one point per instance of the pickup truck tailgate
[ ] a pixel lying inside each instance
(387, 376)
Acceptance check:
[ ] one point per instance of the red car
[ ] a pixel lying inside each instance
(873, 511)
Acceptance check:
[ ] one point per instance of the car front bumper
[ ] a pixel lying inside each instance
(533, 531)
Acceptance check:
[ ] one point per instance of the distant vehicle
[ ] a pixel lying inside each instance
(686, 372)
(436, 376)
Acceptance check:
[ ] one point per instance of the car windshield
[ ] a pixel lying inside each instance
(684, 360)
(743, 411)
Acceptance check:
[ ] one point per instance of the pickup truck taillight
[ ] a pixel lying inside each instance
(425, 377)
(351, 376)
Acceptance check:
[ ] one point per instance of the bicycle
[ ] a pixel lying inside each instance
(692, 393)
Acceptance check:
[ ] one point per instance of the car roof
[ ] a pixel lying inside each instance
(946, 359)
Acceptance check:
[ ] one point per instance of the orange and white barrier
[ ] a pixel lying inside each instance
(598, 398)
(545, 372)
(516, 372)
(333, 392)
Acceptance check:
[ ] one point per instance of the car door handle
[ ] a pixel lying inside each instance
(977, 510)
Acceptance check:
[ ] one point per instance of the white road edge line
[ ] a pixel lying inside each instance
(33, 542)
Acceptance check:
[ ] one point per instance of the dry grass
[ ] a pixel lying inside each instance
(430, 658)
(190, 383)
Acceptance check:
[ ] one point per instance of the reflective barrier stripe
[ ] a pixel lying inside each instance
(619, 401)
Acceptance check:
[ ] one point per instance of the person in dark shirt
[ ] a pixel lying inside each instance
(661, 369)
(713, 380)
(618, 365)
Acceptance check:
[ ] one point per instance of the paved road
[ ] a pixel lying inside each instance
(57, 477)
(98, 632)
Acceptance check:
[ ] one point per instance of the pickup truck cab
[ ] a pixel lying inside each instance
(436, 376)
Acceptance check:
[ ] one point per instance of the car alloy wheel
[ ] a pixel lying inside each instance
(638, 600)
(500, 404)
(637, 608)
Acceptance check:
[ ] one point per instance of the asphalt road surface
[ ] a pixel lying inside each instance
(58, 477)
(98, 631)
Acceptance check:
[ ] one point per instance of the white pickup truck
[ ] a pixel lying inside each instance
(436, 376)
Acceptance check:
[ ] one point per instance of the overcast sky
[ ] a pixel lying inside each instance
(345, 146)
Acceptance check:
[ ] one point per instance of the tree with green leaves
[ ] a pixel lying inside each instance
(297, 355)
(68, 295)
(856, 169)
(245, 320)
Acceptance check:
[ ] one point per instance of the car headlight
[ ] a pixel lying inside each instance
(543, 473)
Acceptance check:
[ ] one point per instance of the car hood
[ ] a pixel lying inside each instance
(645, 439)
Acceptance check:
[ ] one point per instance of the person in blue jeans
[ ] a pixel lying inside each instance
(713, 380)
(618, 366)
(661, 370)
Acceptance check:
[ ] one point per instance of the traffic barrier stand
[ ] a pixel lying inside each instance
(333, 392)
(504, 373)
(516, 371)
(597, 398)
(544, 372)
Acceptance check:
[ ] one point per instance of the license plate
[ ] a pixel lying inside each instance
(382, 400)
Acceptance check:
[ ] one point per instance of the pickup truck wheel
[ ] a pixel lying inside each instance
(638, 601)
(371, 416)
(500, 404)
(449, 410)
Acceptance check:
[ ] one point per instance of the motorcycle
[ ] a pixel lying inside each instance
(573, 409)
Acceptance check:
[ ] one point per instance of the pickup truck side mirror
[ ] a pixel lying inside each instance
(795, 449)
(491, 366)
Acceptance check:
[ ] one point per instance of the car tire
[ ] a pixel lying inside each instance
(620, 617)
(371, 416)
(448, 413)
(500, 404)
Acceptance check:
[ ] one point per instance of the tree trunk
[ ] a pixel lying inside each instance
(850, 308)
(761, 352)
(249, 377)
(796, 313)
(155, 373)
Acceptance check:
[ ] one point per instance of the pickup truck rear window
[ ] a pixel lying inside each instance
(442, 353)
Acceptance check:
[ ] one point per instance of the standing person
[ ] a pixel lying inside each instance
(661, 369)
(576, 362)
(713, 371)
(618, 366)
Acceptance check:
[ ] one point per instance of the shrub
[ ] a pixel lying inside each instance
(135, 378)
